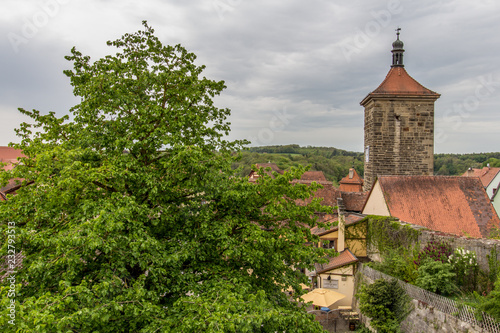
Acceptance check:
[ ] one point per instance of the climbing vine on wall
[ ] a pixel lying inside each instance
(386, 234)
(397, 245)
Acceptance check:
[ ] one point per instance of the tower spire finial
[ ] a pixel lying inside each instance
(397, 50)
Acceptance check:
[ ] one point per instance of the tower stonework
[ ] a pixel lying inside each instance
(399, 125)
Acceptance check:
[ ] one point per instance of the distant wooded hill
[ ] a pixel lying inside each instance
(335, 163)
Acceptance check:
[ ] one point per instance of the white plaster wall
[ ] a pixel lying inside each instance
(375, 204)
(492, 185)
(345, 287)
(496, 204)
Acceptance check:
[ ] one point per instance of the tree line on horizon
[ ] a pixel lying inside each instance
(335, 162)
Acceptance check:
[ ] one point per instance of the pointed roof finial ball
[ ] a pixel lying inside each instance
(397, 45)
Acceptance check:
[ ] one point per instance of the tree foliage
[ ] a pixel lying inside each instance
(437, 277)
(333, 162)
(131, 219)
(386, 303)
(457, 164)
(491, 303)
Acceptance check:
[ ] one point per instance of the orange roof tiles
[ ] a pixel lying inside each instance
(352, 178)
(11, 186)
(274, 168)
(486, 174)
(9, 155)
(354, 201)
(352, 182)
(344, 258)
(313, 175)
(455, 205)
(328, 193)
(348, 218)
(398, 81)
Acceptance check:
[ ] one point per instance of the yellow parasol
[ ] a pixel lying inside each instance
(322, 297)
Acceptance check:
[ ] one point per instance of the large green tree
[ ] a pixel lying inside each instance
(130, 218)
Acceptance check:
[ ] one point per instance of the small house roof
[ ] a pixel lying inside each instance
(352, 178)
(486, 174)
(344, 258)
(314, 176)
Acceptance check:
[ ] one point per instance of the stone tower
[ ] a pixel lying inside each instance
(399, 124)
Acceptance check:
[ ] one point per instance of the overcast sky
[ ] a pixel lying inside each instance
(295, 70)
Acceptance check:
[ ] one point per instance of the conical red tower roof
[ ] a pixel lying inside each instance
(398, 82)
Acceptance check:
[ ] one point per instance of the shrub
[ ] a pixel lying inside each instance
(436, 251)
(491, 303)
(437, 277)
(465, 267)
(386, 303)
(399, 264)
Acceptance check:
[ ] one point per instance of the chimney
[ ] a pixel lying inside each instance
(470, 172)
(351, 173)
(341, 233)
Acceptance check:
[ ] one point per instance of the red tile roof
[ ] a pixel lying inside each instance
(399, 82)
(455, 205)
(274, 168)
(307, 176)
(12, 186)
(352, 182)
(323, 217)
(9, 155)
(354, 201)
(352, 178)
(344, 258)
(486, 174)
(328, 193)
(313, 175)
(349, 219)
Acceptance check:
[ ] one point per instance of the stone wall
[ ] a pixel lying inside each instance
(399, 132)
(481, 246)
(426, 319)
